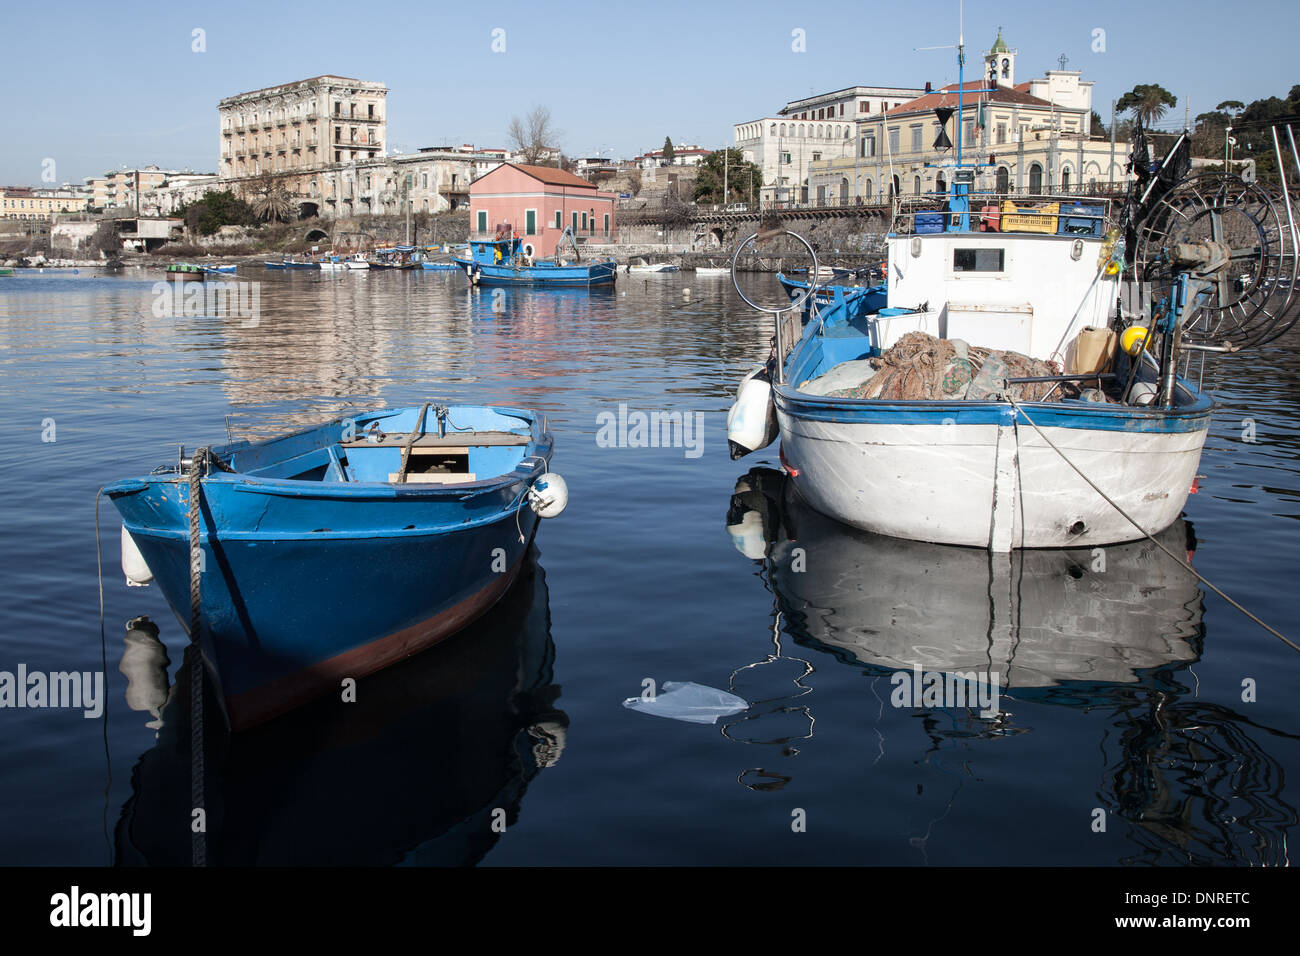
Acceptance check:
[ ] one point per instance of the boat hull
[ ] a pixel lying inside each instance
(307, 583)
(276, 632)
(980, 474)
(596, 273)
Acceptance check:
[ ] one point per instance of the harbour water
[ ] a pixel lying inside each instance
(1140, 718)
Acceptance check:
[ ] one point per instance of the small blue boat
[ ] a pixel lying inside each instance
(219, 270)
(290, 263)
(337, 550)
(509, 260)
(857, 300)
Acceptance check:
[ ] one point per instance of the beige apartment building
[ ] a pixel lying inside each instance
(22, 202)
(299, 129)
(1031, 137)
(119, 187)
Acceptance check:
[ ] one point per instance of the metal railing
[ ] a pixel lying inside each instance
(632, 210)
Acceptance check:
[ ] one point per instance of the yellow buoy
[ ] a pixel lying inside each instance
(1133, 339)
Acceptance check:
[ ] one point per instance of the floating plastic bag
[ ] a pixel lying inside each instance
(689, 701)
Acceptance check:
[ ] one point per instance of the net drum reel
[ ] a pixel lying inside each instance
(1239, 240)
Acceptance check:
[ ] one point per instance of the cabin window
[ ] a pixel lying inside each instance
(978, 260)
(482, 221)
(530, 222)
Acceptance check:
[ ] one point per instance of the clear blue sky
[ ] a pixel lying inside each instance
(95, 85)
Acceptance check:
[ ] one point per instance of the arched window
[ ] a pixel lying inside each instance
(844, 192)
(894, 189)
(1065, 178)
(782, 129)
(1035, 178)
(867, 190)
(916, 186)
(1006, 67)
(940, 185)
(1003, 180)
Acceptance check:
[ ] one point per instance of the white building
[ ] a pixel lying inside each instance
(685, 155)
(814, 129)
(431, 180)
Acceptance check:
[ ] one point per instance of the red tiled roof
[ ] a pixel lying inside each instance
(947, 96)
(552, 175)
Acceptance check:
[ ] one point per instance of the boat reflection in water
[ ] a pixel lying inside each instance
(1111, 631)
(426, 767)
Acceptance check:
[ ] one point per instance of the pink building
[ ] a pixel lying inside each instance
(539, 202)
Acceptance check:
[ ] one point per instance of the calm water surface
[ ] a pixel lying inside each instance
(1125, 681)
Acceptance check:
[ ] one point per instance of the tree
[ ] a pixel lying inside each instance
(214, 210)
(1147, 101)
(1097, 127)
(533, 136)
(1209, 132)
(270, 199)
(668, 150)
(743, 179)
(1232, 106)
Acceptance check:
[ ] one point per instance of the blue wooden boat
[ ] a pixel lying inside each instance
(219, 270)
(291, 263)
(509, 260)
(865, 299)
(337, 550)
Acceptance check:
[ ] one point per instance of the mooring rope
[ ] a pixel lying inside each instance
(198, 841)
(1144, 531)
(103, 658)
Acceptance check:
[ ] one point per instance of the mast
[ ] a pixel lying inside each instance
(961, 74)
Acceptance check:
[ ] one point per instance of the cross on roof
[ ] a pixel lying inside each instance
(1063, 59)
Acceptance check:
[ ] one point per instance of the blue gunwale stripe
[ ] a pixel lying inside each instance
(1069, 414)
(347, 534)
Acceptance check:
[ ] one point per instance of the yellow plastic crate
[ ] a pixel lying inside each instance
(1030, 218)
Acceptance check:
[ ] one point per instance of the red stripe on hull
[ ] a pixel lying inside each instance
(288, 693)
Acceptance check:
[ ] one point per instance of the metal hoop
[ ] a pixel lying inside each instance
(795, 303)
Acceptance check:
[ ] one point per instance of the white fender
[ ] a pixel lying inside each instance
(749, 537)
(751, 422)
(549, 495)
(134, 567)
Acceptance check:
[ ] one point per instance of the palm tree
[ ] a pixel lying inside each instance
(1147, 102)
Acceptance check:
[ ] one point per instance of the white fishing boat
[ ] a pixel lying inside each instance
(357, 262)
(652, 267)
(1021, 388)
(712, 271)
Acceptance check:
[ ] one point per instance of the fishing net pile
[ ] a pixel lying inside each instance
(921, 367)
